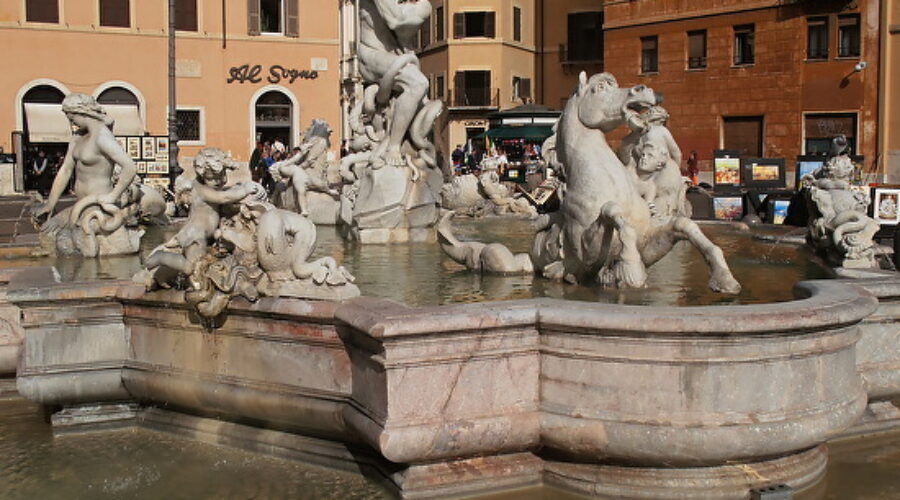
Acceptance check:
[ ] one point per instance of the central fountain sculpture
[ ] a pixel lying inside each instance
(614, 221)
(392, 160)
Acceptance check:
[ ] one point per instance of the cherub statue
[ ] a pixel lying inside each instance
(235, 243)
(652, 155)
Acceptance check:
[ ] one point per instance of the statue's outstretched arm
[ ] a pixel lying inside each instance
(233, 194)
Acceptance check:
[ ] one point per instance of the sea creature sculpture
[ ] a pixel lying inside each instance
(604, 231)
(838, 224)
(235, 243)
(111, 202)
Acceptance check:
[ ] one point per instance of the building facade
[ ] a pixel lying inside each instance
(246, 71)
(889, 91)
(767, 78)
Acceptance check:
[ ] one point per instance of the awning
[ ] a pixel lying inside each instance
(127, 119)
(533, 132)
(47, 123)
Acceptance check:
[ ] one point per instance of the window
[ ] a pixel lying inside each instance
(274, 118)
(819, 129)
(474, 24)
(186, 15)
(848, 35)
(743, 134)
(585, 37)
(517, 24)
(188, 125)
(439, 24)
(273, 17)
(521, 88)
(117, 95)
(42, 11)
(817, 38)
(425, 34)
(744, 39)
(439, 86)
(115, 13)
(649, 54)
(697, 49)
(473, 88)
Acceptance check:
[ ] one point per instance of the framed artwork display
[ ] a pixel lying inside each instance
(763, 173)
(148, 148)
(728, 207)
(885, 207)
(726, 168)
(134, 148)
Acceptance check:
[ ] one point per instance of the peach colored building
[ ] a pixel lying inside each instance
(245, 70)
(889, 122)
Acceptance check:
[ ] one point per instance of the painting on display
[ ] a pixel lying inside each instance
(886, 206)
(727, 171)
(728, 207)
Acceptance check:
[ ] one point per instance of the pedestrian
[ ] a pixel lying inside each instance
(693, 168)
(39, 172)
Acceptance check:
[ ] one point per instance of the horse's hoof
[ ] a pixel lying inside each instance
(725, 284)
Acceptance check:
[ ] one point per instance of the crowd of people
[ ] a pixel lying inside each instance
(469, 159)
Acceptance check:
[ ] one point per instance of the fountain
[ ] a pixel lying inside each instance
(239, 333)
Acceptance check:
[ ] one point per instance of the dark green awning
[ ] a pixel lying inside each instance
(534, 132)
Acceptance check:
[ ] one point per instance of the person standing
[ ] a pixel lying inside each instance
(40, 172)
(693, 168)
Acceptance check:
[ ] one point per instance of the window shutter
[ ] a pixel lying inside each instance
(459, 87)
(115, 13)
(525, 87)
(292, 18)
(490, 24)
(459, 25)
(252, 17)
(425, 34)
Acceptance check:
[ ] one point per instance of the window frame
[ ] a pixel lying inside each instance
(645, 51)
(179, 14)
(201, 125)
(818, 21)
(744, 35)
(572, 38)
(127, 16)
(516, 23)
(461, 23)
(58, 12)
(703, 62)
(282, 21)
(440, 34)
(856, 29)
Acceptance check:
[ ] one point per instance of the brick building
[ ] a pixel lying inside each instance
(770, 78)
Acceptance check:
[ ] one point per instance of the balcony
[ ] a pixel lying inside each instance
(578, 55)
(473, 98)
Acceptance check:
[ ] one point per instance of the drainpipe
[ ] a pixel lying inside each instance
(882, 94)
(174, 169)
(224, 29)
(540, 49)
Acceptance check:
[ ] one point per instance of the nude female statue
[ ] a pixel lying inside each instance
(108, 196)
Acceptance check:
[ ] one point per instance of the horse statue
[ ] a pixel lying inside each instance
(604, 231)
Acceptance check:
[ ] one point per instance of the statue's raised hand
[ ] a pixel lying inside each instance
(41, 213)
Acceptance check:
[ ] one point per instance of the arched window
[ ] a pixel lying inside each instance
(273, 118)
(44, 120)
(124, 107)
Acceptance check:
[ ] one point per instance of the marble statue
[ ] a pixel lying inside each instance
(492, 257)
(838, 224)
(111, 201)
(483, 195)
(306, 171)
(236, 244)
(392, 160)
(604, 231)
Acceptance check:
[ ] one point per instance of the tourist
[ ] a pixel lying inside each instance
(255, 159)
(693, 169)
(457, 157)
(40, 172)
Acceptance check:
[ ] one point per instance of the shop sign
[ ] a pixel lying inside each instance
(475, 123)
(276, 73)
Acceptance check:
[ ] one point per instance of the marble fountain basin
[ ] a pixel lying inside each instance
(605, 399)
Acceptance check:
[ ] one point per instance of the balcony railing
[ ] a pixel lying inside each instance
(569, 56)
(474, 98)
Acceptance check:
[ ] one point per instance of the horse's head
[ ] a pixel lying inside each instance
(603, 105)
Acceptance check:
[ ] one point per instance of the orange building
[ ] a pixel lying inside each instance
(889, 91)
(245, 70)
(764, 77)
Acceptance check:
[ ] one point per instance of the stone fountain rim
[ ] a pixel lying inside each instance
(820, 303)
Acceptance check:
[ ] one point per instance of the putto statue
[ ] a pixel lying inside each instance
(235, 243)
(838, 224)
(306, 171)
(392, 159)
(604, 231)
(111, 202)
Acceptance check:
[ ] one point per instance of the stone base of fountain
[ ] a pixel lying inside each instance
(456, 400)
